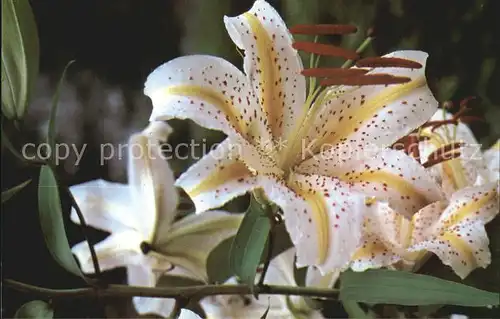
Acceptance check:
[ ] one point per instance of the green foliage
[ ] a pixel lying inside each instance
(35, 309)
(20, 57)
(51, 134)
(250, 242)
(409, 289)
(6, 195)
(51, 221)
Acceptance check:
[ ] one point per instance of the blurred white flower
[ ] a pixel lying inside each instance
(140, 216)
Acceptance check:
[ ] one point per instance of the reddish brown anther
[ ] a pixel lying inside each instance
(444, 150)
(323, 29)
(440, 159)
(325, 49)
(377, 62)
(333, 72)
(457, 117)
(411, 146)
(371, 79)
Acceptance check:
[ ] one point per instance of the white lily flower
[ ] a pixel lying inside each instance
(466, 170)
(453, 230)
(299, 149)
(280, 272)
(492, 158)
(140, 216)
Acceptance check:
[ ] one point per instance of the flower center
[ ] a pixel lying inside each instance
(146, 247)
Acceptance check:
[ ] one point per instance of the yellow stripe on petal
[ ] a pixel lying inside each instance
(369, 249)
(470, 208)
(371, 107)
(269, 75)
(235, 171)
(393, 181)
(225, 105)
(320, 216)
(459, 245)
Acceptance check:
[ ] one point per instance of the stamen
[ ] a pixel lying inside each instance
(441, 159)
(332, 72)
(376, 62)
(449, 148)
(371, 79)
(411, 146)
(323, 29)
(325, 49)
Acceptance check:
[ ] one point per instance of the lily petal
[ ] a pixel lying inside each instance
(423, 221)
(117, 250)
(151, 180)
(217, 177)
(208, 90)
(139, 275)
(492, 158)
(104, 205)
(271, 64)
(471, 203)
(323, 217)
(462, 171)
(388, 175)
(191, 239)
(373, 253)
(375, 114)
(463, 247)
(314, 278)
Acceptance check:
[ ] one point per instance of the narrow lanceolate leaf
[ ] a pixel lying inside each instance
(13, 191)
(20, 56)
(249, 243)
(51, 134)
(51, 221)
(35, 309)
(404, 288)
(218, 269)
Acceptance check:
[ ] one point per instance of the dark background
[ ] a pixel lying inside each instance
(117, 43)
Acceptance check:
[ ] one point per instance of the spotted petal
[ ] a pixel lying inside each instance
(388, 175)
(492, 158)
(271, 64)
(217, 177)
(463, 247)
(323, 217)
(208, 90)
(374, 114)
(471, 203)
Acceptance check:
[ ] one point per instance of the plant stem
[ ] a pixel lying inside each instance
(93, 254)
(190, 293)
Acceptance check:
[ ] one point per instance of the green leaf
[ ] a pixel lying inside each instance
(51, 132)
(6, 195)
(218, 269)
(404, 288)
(249, 243)
(354, 310)
(35, 309)
(20, 56)
(51, 220)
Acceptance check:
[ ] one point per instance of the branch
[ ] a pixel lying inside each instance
(192, 292)
(83, 223)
